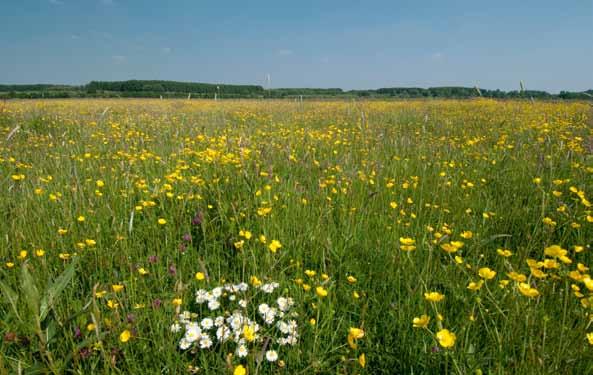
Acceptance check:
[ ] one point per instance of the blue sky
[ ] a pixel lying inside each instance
(305, 43)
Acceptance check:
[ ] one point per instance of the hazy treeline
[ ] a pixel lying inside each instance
(173, 89)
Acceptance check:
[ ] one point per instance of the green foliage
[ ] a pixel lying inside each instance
(173, 89)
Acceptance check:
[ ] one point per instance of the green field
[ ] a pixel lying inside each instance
(335, 237)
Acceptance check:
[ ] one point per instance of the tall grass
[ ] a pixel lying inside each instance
(341, 186)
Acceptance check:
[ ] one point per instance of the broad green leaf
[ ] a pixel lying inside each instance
(11, 296)
(56, 288)
(30, 290)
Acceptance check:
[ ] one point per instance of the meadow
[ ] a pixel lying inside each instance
(279, 237)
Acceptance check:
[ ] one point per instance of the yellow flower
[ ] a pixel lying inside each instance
(446, 338)
(17, 177)
(100, 183)
(310, 273)
(555, 251)
(475, 286)
(200, 276)
(90, 327)
(421, 322)
(407, 243)
(162, 221)
(486, 273)
(527, 290)
(39, 252)
(177, 301)
(588, 283)
(538, 273)
(274, 246)
(240, 370)
(117, 287)
(517, 276)
(125, 336)
(142, 271)
(467, 234)
(90, 242)
(9, 264)
(80, 219)
(353, 335)
(590, 338)
(321, 292)
(112, 304)
(100, 294)
(548, 221)
(452, 247)
(248, 333)
(245, 233)
(362, 361)
(434, 296)
(255, 281)
(22, 254)
(62, 232)
(351, 279)
(504, 252)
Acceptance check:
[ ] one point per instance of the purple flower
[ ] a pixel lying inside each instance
(182, 247)
(130, 318)
(153, 259)
(172, 270)
(197, 220)
(156, 303)
(77, 333)
(187, 237)
(85, 353)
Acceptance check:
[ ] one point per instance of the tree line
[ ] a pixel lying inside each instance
(174, 89)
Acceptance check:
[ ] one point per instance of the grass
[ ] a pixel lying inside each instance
(343, 188)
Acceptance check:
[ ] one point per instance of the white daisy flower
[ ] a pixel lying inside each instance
(242, 351)
(207, 323)
(263, 308)
(201, 296)
(205, 342)
(184, 344)
(213, 304)
(217, 292)
(192, 332)
(219, 321)
(271, 356)
(175, 327)
(223, 333)
(269, 288)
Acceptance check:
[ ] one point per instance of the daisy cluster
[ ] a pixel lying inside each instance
(241, 317)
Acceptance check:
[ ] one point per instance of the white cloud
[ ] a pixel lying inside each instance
(119, 59)
(437, 56)
(285, 52)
